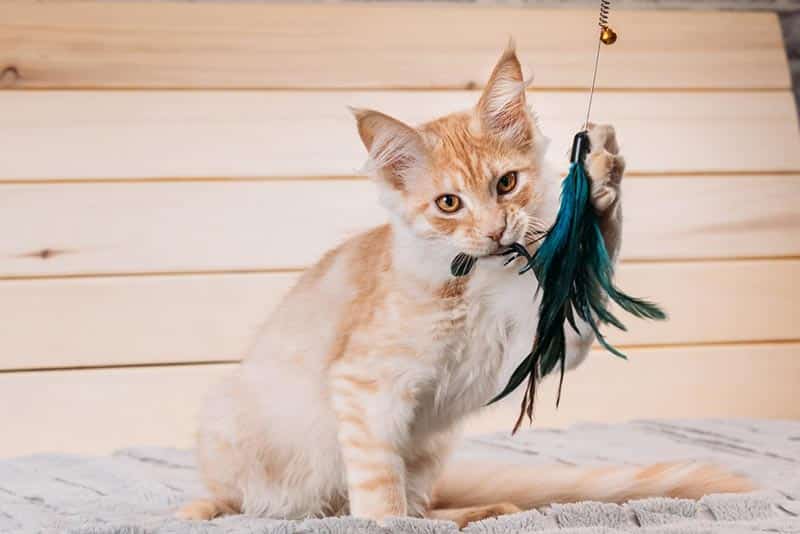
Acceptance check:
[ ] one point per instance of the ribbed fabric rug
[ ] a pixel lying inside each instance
(136, 490)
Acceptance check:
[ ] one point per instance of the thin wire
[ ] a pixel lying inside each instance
(594, 81)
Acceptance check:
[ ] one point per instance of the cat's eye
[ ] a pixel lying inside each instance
(448, 203)
(507, 183)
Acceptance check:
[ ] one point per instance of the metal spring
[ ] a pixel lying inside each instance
(605, 7)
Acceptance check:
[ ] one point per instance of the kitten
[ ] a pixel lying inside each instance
(352, 396)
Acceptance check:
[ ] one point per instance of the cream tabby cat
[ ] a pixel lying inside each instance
(352, 396)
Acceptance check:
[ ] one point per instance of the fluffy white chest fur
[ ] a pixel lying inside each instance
(496, 324)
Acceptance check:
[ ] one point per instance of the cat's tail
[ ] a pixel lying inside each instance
(479, 484)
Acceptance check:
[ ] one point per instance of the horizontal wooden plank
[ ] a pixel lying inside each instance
(175, 134)
(686, 382)
(105, 409)
(285, 46)
(180, 227)
(161, 319)
(723, 216)
(96, 411)
(101, 321)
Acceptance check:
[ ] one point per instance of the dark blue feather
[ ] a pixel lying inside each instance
(575, 275)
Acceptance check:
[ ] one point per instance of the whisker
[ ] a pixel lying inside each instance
(537, 230)
(536, 226)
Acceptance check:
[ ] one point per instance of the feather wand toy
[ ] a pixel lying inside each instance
(573, 268)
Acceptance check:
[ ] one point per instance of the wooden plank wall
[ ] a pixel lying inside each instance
(151, 152)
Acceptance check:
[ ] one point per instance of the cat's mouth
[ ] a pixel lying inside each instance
(514, 251)
(502, 251)
(463, 263)
(520, 248)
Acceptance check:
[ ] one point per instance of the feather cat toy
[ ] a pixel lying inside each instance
(573, 268)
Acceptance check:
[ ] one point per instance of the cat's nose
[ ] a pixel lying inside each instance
(497, 234)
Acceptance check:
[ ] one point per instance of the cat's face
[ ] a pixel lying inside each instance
(467, 180)
(477, 188)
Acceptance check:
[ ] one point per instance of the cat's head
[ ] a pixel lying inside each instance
(466, 181)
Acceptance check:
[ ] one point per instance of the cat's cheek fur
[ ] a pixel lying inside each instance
(390, 197)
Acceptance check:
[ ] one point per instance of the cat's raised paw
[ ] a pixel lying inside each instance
(605, 166)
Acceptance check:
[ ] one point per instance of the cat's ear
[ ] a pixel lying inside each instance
(396, 151)
(502, 108)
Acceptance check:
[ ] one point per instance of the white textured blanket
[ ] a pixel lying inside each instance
(135, 491)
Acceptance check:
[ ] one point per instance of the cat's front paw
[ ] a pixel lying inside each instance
(605, 167)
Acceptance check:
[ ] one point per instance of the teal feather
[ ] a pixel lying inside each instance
(575, 275)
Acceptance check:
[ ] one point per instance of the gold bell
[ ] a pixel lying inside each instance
(608, 36)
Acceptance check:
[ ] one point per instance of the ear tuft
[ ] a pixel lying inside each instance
(365, 125)
(502, 107)
(396, 150)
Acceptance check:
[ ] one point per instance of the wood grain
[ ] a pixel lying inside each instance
(97, 411)
(131, 320)
(199, 199)
(191, 227)
(163, 319)
(368, 46)
(119, 135)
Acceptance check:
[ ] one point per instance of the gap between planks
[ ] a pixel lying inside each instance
(409, 89)
(297, 270)
(688, 346)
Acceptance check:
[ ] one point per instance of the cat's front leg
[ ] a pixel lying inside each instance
(373, 422)
(424, 464)
(605, 167)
